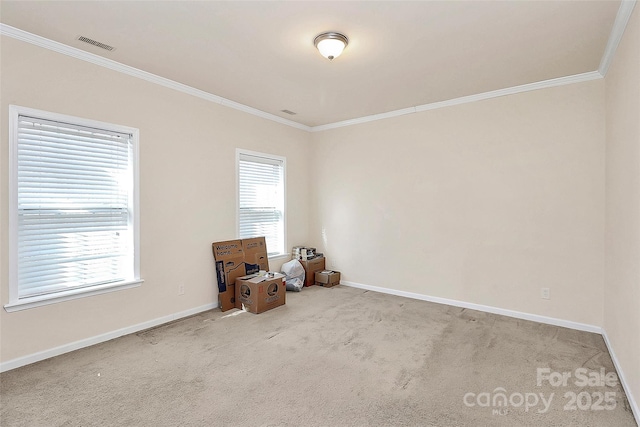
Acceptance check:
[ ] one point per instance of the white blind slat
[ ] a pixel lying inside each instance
(261, 200)
(74, 221)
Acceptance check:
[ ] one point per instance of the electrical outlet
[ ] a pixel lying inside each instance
(181, 289)
(545, 293)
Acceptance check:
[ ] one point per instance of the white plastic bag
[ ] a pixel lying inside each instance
(295, 275)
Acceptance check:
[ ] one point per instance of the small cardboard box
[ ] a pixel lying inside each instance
(255, 252)
(327, 278)
(229, 259)
(310, 268)
(258, 294)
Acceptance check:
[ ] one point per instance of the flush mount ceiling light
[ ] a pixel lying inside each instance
(331, 44)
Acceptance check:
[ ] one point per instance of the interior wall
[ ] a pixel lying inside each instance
(622, 280)
(485, 202)
(187, 190)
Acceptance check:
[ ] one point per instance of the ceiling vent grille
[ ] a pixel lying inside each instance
(291, 113)
(96, 43)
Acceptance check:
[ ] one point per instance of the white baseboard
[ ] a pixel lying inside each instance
(625, 385)
(486, 308)
(46, 354)
(519, 315)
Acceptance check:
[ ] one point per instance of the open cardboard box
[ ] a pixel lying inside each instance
(327, 278)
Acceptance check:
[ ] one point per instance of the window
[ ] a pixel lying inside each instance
(73, 209)
(261, 199)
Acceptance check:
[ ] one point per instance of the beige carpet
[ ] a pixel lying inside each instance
(330, 357)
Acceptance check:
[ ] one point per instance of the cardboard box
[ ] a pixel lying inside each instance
(311, 266)
(258, 294)
(327, 278)
(255, 252)
(229, 259)
(237, 258)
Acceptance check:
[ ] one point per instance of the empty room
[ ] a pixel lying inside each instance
(319, 213)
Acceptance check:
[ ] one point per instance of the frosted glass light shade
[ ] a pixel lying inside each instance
(331, 45)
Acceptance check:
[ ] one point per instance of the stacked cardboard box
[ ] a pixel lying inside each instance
(258, 294)
(237, 258)
(311, 266)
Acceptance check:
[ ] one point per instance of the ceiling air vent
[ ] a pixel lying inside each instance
(96, 43)
(291, 113)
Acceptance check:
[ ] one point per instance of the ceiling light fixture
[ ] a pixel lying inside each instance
(331, 44)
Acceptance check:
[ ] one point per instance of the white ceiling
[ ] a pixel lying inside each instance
(401, 54)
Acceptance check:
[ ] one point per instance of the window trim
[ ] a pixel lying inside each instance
(16, 303)
(240, 151)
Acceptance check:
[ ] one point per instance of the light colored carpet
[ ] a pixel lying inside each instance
(330, 357)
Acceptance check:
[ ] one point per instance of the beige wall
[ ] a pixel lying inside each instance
(485, 202)
(622, 280)
(187, 188)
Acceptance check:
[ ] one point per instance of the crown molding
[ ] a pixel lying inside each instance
(622, 18)
(576, 78)
(64, 49)
(364, 119)
(620, 24)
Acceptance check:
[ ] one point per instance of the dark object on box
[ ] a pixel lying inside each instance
(237, 258)
(310, 268)
(258, 294)
(327, 278)
(255, 253)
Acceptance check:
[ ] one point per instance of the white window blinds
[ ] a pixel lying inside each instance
(261, 199)
(74, 199)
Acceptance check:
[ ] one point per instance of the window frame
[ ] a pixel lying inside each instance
(239, 152)
(15, 302)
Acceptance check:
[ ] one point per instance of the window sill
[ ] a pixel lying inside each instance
(38, 301)
(279, 256)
